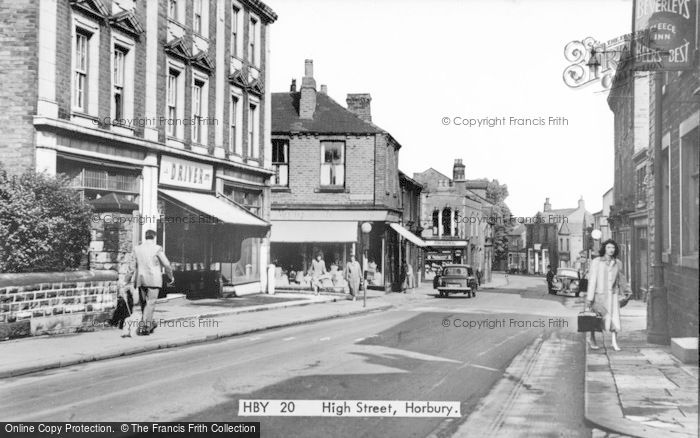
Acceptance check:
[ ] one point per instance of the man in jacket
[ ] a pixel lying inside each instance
(353, 274)
(147, 263)
(550, 280)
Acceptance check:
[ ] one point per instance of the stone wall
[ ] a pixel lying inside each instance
(55, 302)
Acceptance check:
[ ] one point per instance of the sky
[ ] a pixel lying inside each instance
(423, 61)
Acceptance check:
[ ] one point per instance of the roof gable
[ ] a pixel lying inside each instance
(126, 22)
(94, 8)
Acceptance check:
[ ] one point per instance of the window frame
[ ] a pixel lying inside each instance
(235, 36)
(276, 164)
(689, 129)
(253, 131)
(334, 165)
(253, 24)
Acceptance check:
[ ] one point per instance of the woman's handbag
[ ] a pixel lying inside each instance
(590, 321)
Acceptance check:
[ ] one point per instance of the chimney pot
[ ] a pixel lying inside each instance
(309, 68)
(458, 170)
(324, 89)
(547, 205)
(293, 87)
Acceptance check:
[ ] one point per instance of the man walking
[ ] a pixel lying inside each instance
(550, 280)
(353, 274)
(148, 261)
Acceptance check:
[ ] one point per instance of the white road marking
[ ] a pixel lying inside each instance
(359, 339)
(325, 339)
(289, 338)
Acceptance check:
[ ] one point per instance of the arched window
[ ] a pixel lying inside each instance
(447, 221)
(435, 219)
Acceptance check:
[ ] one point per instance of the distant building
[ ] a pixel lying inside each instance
(455, 219)
(335, 172)
(517, 249)
(558, 237)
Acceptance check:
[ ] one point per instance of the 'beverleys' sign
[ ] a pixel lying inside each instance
(666, 34)
(183, 173)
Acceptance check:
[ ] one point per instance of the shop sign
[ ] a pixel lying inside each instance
(187, 174)
(665, 34)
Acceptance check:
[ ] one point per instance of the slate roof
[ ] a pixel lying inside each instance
(329, 118)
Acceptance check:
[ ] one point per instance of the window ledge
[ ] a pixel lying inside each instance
(331, 189)
(282, 189)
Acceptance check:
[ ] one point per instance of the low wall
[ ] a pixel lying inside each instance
(55, 302)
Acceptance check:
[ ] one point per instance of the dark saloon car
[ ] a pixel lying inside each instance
(456, 279)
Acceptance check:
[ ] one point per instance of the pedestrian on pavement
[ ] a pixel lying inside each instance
(353, 274)
(318, 268)
(478, 276)
(403, 275)
(550, 280)
(411, 281)
(147, 264)
(605, 281)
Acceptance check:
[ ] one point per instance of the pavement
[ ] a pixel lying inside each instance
(642, 390)
(181, 322)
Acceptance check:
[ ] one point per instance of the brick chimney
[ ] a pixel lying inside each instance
(293, 87)
(547, 205)
(359, 103)
(458, 170)
(307, 101)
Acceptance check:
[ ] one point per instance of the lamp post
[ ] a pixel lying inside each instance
(366, 229)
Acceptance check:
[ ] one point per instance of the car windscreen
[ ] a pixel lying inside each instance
(457, 271)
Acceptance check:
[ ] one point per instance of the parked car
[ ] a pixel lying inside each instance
(569, 280)
(456, 279)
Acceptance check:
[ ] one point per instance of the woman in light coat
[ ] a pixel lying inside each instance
(605, 281)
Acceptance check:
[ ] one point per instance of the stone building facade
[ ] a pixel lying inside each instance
(162, 103)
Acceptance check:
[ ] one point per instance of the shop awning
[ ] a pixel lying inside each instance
(446, 243)
(313, 231)
(210, 205)
(408, 235)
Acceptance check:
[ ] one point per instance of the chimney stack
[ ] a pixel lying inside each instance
(324, 89)
(359, 104)
(307, 101)
(293, 87)
(458, 170)
(547, 205)
(581, 204)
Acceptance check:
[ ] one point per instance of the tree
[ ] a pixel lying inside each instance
(43, 225)
(496, 194)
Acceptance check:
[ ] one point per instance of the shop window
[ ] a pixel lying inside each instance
(94, 182)
(690, 166)
(280, 162)
(332, 163)
(247, 268)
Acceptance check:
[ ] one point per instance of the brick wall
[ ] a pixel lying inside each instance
(305, 172)
(681, 282)
(63, 59)
(18, 79)
(62, 302)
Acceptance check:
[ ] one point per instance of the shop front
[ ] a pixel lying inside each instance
(439, 253)
(213, 243)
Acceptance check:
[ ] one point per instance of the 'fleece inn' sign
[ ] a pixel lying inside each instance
(667, 34)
